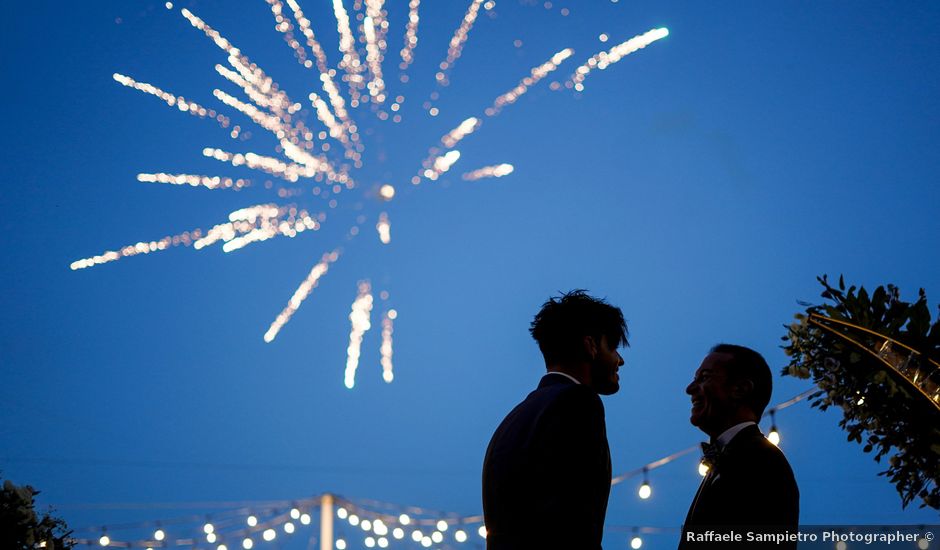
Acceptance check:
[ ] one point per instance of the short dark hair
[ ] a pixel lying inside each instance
(747, 364)
(563, 322)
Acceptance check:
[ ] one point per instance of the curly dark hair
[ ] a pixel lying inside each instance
(563, 322)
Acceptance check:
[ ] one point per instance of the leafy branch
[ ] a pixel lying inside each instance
(888, 410)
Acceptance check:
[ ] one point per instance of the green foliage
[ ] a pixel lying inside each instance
(881, 410)
(21, 528)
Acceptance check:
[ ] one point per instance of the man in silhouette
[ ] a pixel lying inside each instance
(546, 475)
(749, 485)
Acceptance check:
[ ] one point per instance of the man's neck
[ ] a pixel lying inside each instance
(566, 375)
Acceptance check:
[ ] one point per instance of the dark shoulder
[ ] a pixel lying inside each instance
(755, 450)
(576, 403)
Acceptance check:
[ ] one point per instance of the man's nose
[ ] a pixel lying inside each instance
(689, 388)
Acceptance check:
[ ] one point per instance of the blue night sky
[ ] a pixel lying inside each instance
(701, 184)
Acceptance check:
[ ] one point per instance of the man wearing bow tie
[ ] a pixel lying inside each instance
(749, 485)
(546, 475)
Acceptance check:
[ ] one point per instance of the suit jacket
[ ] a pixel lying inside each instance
(750, 488)
(546, 475)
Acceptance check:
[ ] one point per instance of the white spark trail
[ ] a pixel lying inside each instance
(195, 180)
(179, 102)
(411, 36)
(240, 221)
(386, 349)
(359, 318)
(455, 48)
(496, 171)
(602, 60)
(301, 294)
(535, 75)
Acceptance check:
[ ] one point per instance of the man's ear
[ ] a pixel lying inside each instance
(590, 347)
(740, 389)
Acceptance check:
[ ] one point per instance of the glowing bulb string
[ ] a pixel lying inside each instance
(646, 468)
(212, 528)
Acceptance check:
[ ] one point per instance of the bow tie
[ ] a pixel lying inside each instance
(711, 452)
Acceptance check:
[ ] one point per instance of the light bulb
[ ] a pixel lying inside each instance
(645, 490)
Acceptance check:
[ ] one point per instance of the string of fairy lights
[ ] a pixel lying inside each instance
(362, 523)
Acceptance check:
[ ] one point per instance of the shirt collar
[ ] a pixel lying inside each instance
(729, 434)
(568, 376)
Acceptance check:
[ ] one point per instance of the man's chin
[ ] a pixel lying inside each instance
(609, 388)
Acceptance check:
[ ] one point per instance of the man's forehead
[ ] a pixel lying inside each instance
(714, 362)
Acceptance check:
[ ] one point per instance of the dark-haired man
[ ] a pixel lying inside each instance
(749, 485)
(546, 475)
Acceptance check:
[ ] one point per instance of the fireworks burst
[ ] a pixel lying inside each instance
(322, 156)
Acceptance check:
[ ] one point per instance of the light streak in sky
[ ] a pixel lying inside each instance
(180, 102)
(308, 284)
(326, 73)
(359, 318)
(441, 164)
(537, 73)
(411, 37)
(186, 239)
(386, 349)
(455, 48)
(285, 27)
(269, 165)
(465, 128)
(605, 59)
(384, 227)
(374, 59)
(496, 171)
(350, 61)
(472, 124)
(211, 182)
(195, 238)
